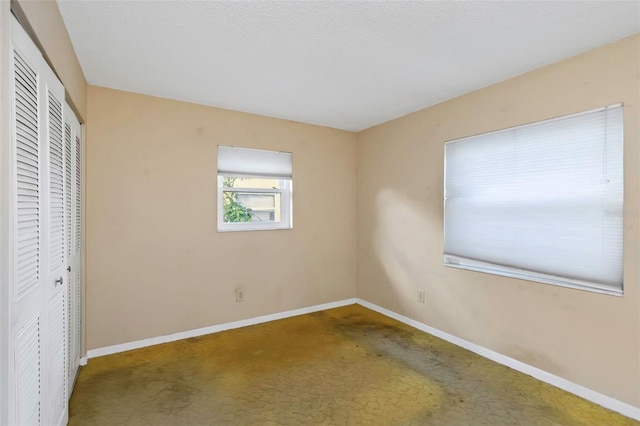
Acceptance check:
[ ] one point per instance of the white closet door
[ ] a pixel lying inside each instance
(73, 187)
(37, 376)
(28, 313)
(57, 283)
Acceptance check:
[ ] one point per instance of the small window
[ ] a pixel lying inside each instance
(540, 202)
(254, 189)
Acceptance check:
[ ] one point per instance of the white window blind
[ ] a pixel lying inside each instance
(253, 162)
(542, 202)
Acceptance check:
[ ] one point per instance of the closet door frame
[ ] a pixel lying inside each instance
(6, 253)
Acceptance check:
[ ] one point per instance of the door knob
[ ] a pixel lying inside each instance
(58, 281)
(69, 268)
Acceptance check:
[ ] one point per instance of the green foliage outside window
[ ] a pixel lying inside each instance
(234, 210)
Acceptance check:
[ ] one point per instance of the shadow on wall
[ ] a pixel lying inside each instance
(408, 244)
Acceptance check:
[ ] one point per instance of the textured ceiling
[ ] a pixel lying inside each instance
(343, 64)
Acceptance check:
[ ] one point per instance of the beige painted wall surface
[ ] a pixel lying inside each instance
(588, 338)
(155, 262)
(44, 19)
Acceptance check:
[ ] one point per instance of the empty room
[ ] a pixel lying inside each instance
(319, 212)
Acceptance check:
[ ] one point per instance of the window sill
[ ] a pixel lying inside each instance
(252, 227)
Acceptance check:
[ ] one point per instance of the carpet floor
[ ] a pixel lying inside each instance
(344, 366)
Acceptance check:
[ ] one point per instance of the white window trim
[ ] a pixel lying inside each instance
(286, 219)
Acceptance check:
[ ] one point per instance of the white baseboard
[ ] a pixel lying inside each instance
(574, 388)
(588, 394)
(94, 353)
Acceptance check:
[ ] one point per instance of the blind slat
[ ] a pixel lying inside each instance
(543, 198)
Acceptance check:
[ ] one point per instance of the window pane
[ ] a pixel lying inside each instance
(231, 182)
(254, 189)
(251, 207)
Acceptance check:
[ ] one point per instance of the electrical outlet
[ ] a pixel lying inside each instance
(421, 296)
(239, 295)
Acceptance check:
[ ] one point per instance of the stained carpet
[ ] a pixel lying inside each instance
(345, 366)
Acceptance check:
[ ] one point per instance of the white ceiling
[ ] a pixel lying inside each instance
(343, 64)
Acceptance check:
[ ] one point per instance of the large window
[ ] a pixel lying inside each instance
(541, 202)
(254, 189)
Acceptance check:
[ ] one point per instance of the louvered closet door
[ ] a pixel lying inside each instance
(28, 313)
(57, 284)
(73, 209)
(38, 377)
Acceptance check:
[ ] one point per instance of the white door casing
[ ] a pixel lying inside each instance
(6, 124)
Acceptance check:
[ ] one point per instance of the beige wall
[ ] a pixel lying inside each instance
(156, 264)
(588, 338)
(42, 19)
